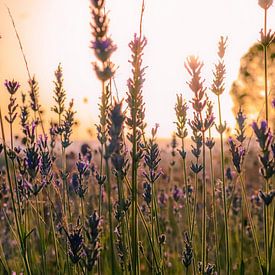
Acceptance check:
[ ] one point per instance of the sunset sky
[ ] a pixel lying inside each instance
(54, 31)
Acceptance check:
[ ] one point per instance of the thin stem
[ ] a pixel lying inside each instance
(112, 252)
(204, 255)
(227, 254)
(266, 230)
(214, 210)
(265, 68)
(251, 224)
(186, 190)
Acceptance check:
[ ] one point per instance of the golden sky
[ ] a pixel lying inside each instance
(54, 31)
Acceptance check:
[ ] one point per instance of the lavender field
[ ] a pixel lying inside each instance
(125, 201)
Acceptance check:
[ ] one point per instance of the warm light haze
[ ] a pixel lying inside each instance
(56, 31)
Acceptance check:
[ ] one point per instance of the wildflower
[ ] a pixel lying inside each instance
(92, 248)
(196, 168)
(12, 86)
(67, 125)
(116, 120)
(75, 241)
(32, 161)
(59, 92)
(240, 136)
(187, 255)
(262, 133)
(100, 178)
(267, 198)
(102, 44)
(267, 38)
(265, 140)
(121, 248)
(34, 93)
(161, 239)
(210, 142)
(181, 113)
(106, 73)
(273, 103)
(265, 4)
(174, 145)
(228, 174)
(103, 48)
(147, 194)
(238, 153)
(82, 166)
(152, 159)
(162, 198)
(177, 193)
(219, 74)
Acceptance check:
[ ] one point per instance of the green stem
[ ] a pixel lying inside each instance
(227, 253)
(251, 224)
(186, 190)
(266, 230)
(216, 236)
(204, 252)
(194, 208)
(146, 227)
(111, 230)
(265, 68)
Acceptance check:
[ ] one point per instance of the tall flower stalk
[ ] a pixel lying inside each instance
(218, 88)
(265, 141)
(201, 123)
(181, 114)
(210, 143)
(266, 40)
(135, 122)
(103, 47)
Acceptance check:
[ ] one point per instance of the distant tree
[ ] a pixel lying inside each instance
(248, 90)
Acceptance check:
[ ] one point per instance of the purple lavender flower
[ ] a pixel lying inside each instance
(103, 48)
(162, 198)
(228, 174)
(147, 194)
(75, 241)
(12, 86)
(238, 153)
(177, 193)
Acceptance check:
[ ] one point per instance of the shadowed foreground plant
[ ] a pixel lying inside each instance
(218, 87)
(136, 124)
(103, 47)
(267, 170)
(200, 124)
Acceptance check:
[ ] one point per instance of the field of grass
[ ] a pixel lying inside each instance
(200, 203)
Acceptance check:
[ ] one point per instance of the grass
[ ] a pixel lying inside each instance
(129, 204)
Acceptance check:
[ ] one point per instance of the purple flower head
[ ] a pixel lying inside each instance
(103, 48)
(42, 141)
(263, 126)
(263, 134)
(273, 103)
(82, 167)
(237, 153)
(228, 174)
(162, 198)
(12, 86)
(177, 193)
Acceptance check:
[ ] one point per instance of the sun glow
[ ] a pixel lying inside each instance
(58, 31)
